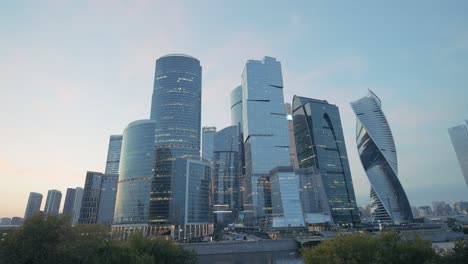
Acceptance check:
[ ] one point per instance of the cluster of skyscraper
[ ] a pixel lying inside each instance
(277, 165)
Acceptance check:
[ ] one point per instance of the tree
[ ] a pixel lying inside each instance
(384, 248)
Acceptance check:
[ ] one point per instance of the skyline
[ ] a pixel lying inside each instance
(66, 87)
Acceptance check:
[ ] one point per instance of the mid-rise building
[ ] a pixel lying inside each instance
(52, 205)
(425, 211)
(459, 137)
(265, 134)
(98, 201)
(5, 221)
(320, 144)
(69, 204)
(226, 176)
(377, 152)
(113, 154)
(34, 204)
(136, 173)
(77, 204)
(208, 134)
(16, 221)
(176, 109)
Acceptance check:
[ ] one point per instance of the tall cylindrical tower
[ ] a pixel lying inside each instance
(176, 109)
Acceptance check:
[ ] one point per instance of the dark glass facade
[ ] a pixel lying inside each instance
(98, 201)
(226, 176)
(176, 108)
(113, 154)
(136, 173)
(208, 134)
(69, 202)
(34, 204)
(320, 144)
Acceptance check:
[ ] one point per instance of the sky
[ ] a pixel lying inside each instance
(74, 72)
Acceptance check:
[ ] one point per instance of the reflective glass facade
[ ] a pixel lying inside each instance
(320, 144)
(208, 134)
(77, 204)
(136, 173)
(226, 176)
(113, 154)
(459, 137)
(378, 156)
(107, 199)
(34, 204)
(285, 199)
(265, 133)
(52, 206)
(176, 108)
(312, 192)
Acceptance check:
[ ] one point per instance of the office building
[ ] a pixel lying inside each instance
(16, 221)
(208, 134)
(113, 154)
(136, 173)
(459, 138)
(98, 201)
(320, 144)
(377, 152)
(292, 140)
(52, 205)
(176, 109)
(226, 176)
(425, 211)
(5, 221)
(69, 204)
(265, 134)
(34, 204)
(77, 204)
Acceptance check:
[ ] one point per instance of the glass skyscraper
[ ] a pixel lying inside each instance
(68, 206)
(208, 134)
(113, 154)
(320, 144)
(136, 173)
(77, 204)
(52, 206)
(34, 204)
(265, 133)
(378, 156)
(176, 109)
(459, 137)
(226, 176)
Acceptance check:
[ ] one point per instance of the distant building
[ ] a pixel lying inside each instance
(5, 221)
(69, 204)
(459, 137)
(98, 199)
(461, 207)
(113, 154)
(77, 205)
(415, 212)
(425, 211)
(440, 208)
(34, 204)
(226, 176)
(377, 152)
(16, 221)
(320, 144)
(52, 206)
(208, 134)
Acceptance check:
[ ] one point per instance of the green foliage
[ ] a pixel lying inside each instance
(459, 254)
(50, 239)
(385, 248)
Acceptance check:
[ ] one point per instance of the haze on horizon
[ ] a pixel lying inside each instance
(72, 74)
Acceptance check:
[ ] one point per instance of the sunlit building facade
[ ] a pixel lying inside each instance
(377, 152)
(176, 109)
(320, 144)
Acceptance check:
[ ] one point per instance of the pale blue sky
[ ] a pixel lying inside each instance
(74, 72)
